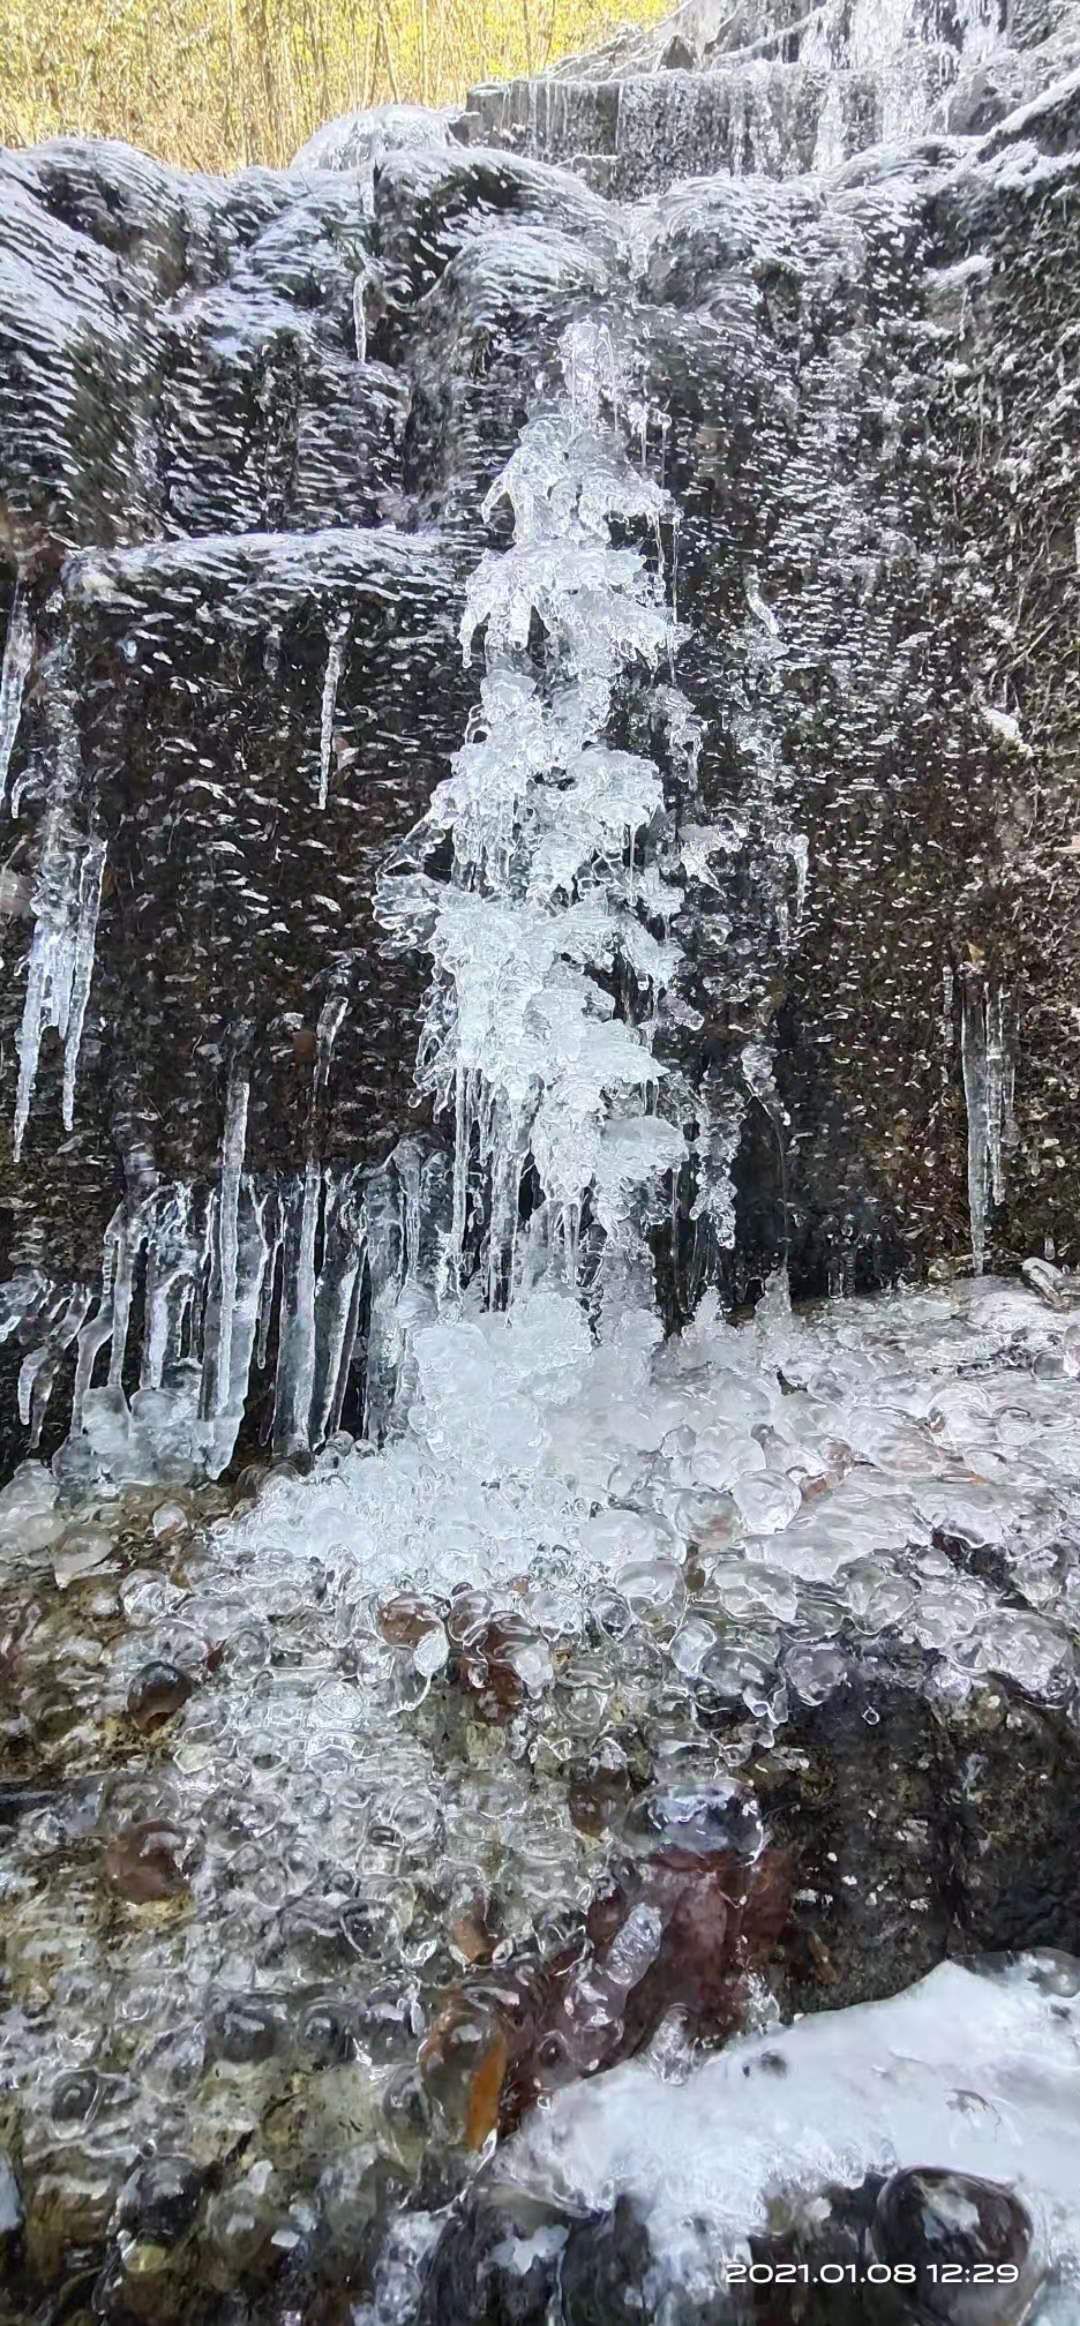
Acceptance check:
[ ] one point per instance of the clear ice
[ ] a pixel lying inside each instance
(14, 672)
(989, 1077)
(65, 903)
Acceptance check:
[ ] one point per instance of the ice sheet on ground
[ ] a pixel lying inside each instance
(866, 1447)
(973, 2071)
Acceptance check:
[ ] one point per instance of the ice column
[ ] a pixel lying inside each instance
(549, 936)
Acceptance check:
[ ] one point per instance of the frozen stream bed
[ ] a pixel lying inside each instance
(419, 1874)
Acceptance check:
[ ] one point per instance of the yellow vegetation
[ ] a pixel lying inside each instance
(216, 83)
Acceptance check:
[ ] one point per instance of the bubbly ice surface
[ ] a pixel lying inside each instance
(839, 1448)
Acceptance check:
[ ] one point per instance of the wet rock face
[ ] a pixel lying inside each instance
(235, 906)
(775, 90)
(231, 685)
(245, 433)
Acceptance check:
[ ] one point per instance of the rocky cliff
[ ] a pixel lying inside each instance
(246, 430)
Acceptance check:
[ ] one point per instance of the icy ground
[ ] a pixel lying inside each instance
(807, 1462)
(973, 2073)
(302, 1767)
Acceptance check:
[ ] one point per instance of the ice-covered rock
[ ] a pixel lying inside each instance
(969, 2072)
(358, 141)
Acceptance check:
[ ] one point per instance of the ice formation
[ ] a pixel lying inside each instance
(383, 1674)
(14, 672)
(820, 1464)
(551, 958)
(301, 1260)
(772, 90)
(335, 656)
(973, 2070)
(65, 905)
(549, 938)
(910, 50)
(989, 1075)
(358, 141)
(354, 1752)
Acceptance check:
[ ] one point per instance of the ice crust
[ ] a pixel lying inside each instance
(974, 2071)
(817, 1462)
(358, 141)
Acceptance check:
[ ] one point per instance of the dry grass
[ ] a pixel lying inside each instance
(216, 83)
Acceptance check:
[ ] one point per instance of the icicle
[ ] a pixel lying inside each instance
(296, 1395)
(252, 1260)
(46, 1323)
(331, 1019)
(337, 1303)
(1000, 1080)
(360, 317)
(67, 895)
(335, 657)
(234, 1353)
(220, 1321)
(387, 1268)
(274, 1230)
(40, 1369)
(28, 1038)
(988, 1083)
(948, 986)
(365, 282)
(232, 1164)
(94, 1335)
(91, 874)
(18, 657)
(296, 1346)
(176, 1258)
(799, 851)
(131, 1235)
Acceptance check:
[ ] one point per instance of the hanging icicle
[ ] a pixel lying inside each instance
(66, 904)
(335, 656)
(14, 672)
(989, 1076)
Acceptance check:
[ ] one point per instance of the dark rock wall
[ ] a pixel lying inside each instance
(245, 431)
